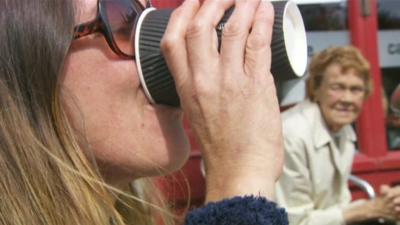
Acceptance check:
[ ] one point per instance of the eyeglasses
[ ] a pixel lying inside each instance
(117, 22)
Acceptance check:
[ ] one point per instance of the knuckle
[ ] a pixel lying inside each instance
(176, 13)
(168, 42)
(257, 41)
(232, 29)
(196, 28)
(203, 89)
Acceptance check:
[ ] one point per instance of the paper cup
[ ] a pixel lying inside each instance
(289, 49)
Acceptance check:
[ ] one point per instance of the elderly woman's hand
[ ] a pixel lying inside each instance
(228, 96)
(391, 195)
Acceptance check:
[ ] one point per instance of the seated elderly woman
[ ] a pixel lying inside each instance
(319, 144)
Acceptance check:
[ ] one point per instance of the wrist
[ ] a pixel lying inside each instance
(359, 213)
(227, 186)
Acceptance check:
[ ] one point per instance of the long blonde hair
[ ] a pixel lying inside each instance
(45, 177)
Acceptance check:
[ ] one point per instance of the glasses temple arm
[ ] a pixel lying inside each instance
(87, 28)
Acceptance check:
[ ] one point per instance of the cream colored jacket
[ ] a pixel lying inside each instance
(313, 187)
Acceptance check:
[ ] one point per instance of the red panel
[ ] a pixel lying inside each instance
(166, 4)
(363, 163)
(391, 161)
(372, 133)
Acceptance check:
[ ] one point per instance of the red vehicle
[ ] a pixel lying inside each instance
(374, 27)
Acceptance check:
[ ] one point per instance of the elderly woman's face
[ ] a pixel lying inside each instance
(128, 136)
(340, 96)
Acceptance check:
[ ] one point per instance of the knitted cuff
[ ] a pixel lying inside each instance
(248, 210)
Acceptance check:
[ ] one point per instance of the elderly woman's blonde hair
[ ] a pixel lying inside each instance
(348, 57)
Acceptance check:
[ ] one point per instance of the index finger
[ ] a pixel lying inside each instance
(173, 44)
(201, 34)
(258, 50)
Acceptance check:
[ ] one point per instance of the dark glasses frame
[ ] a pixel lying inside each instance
(101, 25)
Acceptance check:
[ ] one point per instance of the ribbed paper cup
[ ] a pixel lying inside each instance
(155, 77)
(289, 50)
(289, 43)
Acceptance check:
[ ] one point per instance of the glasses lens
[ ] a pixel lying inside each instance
(122, 16)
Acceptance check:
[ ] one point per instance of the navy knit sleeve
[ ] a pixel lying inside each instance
(247, 210)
